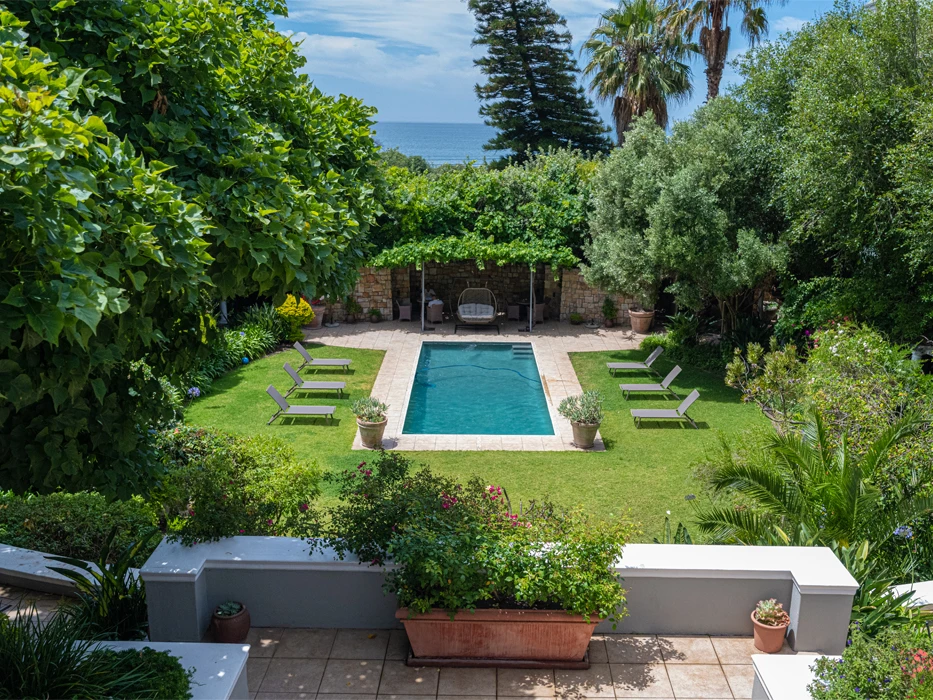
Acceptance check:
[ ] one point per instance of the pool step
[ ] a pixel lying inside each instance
(522, 350)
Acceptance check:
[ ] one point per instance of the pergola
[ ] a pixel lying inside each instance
(483, 252)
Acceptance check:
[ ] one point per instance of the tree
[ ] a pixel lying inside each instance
(103, 260)
(711, 18)
(637, 63)
(531, 95)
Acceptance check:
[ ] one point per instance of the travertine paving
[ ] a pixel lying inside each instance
(16, 600)
(552, 342)
(288, 664)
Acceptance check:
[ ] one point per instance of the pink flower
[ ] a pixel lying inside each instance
(368, 472)
(268, 522)
(303, 507)
(242, 531)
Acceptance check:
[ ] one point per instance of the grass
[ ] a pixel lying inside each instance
(643, 473)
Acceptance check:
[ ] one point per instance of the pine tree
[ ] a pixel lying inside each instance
(532, 96)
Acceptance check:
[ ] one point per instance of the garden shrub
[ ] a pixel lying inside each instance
(74, 525)
(220, 485)
(248, 341)
(146, 673)
(297, 313)
(266, 317)
(895, 665)
(707, 356)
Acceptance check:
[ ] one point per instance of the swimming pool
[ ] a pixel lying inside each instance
(477, 389)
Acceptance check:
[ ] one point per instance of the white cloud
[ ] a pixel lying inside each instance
(788, 24)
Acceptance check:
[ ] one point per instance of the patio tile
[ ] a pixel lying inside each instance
(523, 683)
(698, 681)
(293, 675)
(360, 644)
(741, 678)
(305, 643)
(399, 679)
(597, 650)
(255, 671)
(349, 676)
(640, 681)
(398, 645)
(281, 696)
(462, 697)
(424, 442)
(467, 681)
(594, 682)
(688, 650)
(263, 641)
(633, 649)
(345, 696)
(734, 650)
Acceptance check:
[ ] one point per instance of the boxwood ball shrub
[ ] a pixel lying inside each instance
(220, 485)
(463, 546)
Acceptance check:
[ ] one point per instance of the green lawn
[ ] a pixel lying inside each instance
(643, 472)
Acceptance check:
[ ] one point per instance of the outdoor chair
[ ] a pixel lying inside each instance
(679, 413)
(301, 385)
(646, 365)
(663, 387)
(311, 362)
(404, 309)
(539, 310)
(288, 410)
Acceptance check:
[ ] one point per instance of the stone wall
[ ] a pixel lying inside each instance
(579, 297)
(373, 291)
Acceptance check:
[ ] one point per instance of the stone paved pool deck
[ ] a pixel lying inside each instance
(401, 341)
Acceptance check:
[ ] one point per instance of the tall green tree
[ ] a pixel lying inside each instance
(637, 63)
(709, 21)
(531, 95)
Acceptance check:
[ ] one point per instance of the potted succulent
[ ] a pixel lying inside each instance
(576, 319)
(371, 418)
(770, 622)
(353, 309)
(475, 584)
(585, 413)
(375, 315)
(230, 622)
(610, 311)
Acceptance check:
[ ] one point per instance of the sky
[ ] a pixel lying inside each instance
(412, 59)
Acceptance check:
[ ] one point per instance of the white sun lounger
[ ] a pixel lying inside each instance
(663, 387)
(673, 413)
(616, 366)
(311, 362)
(286, 409)
(302, 385)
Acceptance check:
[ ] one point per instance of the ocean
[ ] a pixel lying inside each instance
(438, 143)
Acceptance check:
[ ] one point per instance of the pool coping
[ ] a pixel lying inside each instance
(399, 371)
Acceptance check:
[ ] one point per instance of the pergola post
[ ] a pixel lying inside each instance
(422, 295)
(531, 298)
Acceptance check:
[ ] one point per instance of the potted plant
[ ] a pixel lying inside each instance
(353, 309)
(609, 312)
(319, 306)
(474, 582)
(585, 413)
(576, 319)
(641, 314)
(375, 315)
(371, 418)
(770, 622)
(231, 622)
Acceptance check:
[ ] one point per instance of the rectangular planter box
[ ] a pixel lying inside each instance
(521, 638)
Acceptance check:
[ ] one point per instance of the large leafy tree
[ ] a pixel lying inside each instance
(531, 95)
(637, 63)
(210, 88)
(103, 260)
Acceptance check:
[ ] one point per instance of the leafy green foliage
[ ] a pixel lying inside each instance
(531, 95)
(111, 599)
(891, 666)
(147, 674)
(228, 609)
(472, 248)
(74, 525)
(369, 409)
(218, 485)
(707, 356)
(297, 313)
(774, 380)
(394, 158)
(770, 612)
(584, 408)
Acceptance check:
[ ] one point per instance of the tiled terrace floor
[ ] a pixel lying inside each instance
(288, 664)
(402, 343)
(44, 604)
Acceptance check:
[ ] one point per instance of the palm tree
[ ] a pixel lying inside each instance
(636, 62)
(806, 488)
(711, 18)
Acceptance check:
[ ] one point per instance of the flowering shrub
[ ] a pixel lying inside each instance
(219, 485)
(462, 546)
(297, 313)
(892, 666)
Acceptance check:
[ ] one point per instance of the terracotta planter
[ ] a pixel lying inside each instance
(767, 638)
(550, 636)
(584, 435)
(641, 321)
(371, 433)
(608, 323)
(318, 319)
(233, 629)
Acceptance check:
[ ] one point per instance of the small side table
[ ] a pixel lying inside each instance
(435, 313)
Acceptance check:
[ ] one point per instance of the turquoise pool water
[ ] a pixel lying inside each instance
(477, 389)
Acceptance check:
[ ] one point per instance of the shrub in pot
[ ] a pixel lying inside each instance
(353, 309)
(610, 311)
(371, 418)
(770, 622)
(585, 413)
(576, 319)
(230, 622)
(475, 579)
(375, 315)
(641, 320)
